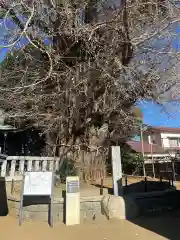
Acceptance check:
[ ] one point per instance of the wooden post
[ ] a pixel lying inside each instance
(12, 186)
(101, 189)
(145, 184)
(126, 181)
(172, 181)
(173, 172)
(117, 170)
(169, 181)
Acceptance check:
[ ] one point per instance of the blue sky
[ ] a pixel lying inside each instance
(154, 114)
(7, 37)
(167, 115)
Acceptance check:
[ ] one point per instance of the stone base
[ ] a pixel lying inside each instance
(90, 210)
(119, 207)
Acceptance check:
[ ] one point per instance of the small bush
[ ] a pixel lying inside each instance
(67, 169)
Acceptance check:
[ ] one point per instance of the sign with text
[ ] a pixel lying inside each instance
(37, 185)
(73, 186)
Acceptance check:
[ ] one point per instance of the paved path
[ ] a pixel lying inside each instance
(107, 230)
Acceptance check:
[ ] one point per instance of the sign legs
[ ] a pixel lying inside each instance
(20, 211)
(50, 213)
(21, 203)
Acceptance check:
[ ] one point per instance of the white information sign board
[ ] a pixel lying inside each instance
(37, 184)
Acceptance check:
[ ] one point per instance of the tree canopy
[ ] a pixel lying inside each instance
(81, 89)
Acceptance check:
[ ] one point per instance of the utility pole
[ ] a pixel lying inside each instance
(152, 158)
(142, 146)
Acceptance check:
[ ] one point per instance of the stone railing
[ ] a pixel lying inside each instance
(13, 167)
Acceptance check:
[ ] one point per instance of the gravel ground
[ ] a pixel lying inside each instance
(109, 230)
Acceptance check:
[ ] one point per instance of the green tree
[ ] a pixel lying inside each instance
(132, 161)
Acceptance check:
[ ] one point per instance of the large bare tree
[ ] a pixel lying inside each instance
(81, 87)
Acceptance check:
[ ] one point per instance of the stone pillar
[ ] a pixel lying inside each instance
(117, 170)
(72, 201)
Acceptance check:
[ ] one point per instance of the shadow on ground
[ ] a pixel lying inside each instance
(164, 224)
(141, 187)
(160, 215)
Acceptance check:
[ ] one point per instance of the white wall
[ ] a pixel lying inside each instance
(165, 136)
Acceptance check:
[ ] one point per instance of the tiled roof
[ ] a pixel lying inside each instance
(137, 147)
(165, 129)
